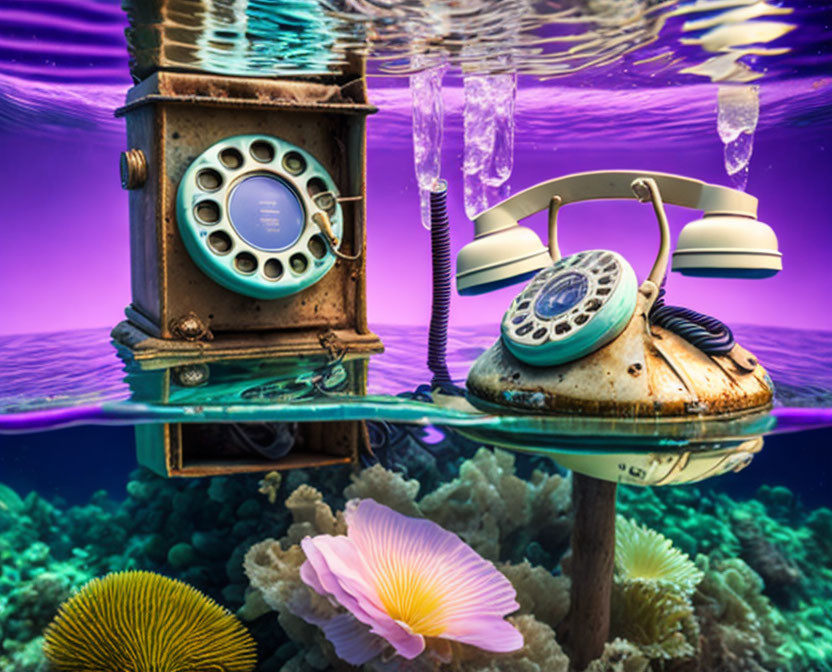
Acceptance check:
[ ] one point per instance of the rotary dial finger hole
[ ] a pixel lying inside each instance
(317, 247)
(207, 212)
(326, 201)
(262, 151)
(294, 163)
(273, 269)
(299, 263)
(525, 329)
(208, 179)
(315, 186)
(245, 262)
(219, 242)
(231, 158)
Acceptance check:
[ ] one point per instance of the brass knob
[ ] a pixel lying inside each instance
(133, 166)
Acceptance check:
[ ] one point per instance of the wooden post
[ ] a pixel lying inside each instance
(593, 554)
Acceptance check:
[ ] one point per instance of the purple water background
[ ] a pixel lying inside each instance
(64, 261)
(64, 257)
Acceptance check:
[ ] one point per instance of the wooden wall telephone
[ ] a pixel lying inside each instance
(247, 215)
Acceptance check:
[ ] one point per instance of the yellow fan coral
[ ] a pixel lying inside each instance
(145, 622)
(644, 554)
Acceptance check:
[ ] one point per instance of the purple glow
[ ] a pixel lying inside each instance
(788, 184)
(32, 421)
(798, 419)
(64, 263)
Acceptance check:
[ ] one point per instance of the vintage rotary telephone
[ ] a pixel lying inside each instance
(247, 215)
(247, 243)
(260, 216)
(578, 304)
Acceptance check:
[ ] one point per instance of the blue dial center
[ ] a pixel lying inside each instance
(561, 293)
(266, 212)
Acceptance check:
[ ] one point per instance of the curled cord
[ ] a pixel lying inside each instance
(707, 333)
(440, 243)
(386, 437)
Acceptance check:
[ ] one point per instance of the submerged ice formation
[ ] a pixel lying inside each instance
(739, 111)
(428, 123)
(488, 136)
(488, 121)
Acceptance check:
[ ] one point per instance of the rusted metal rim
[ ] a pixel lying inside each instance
(358, 109)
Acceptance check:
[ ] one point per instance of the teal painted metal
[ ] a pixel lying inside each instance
(569, 310)
(236, 254)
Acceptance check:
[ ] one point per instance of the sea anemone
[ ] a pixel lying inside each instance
(658, 621)
(644, 554)
(144, 622)
(651, 604)
(407, 579)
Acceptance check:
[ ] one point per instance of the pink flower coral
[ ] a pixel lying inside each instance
(407, 579)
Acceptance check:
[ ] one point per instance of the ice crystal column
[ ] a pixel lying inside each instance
(488, 122)
(428, 120)
(478, 138)
(503, 95)
(739, 111)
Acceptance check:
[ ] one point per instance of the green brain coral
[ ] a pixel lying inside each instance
(145, 622)
(644, 554)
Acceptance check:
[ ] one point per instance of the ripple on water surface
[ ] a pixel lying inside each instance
(81, 368)
(65, 64)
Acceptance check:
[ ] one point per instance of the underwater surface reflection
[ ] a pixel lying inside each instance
(69, 65)
(56, 379)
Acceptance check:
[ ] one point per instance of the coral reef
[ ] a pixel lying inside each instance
(148, 623)
(620, 656)
(45, 555)
(763, 604)
(193, 530)
(487, 483)
(642, 554)
(651, 604)
(778, 573)
(657, 619)
(501, 515)
(741, 629)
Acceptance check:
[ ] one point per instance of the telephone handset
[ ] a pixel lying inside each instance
(260, 216)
